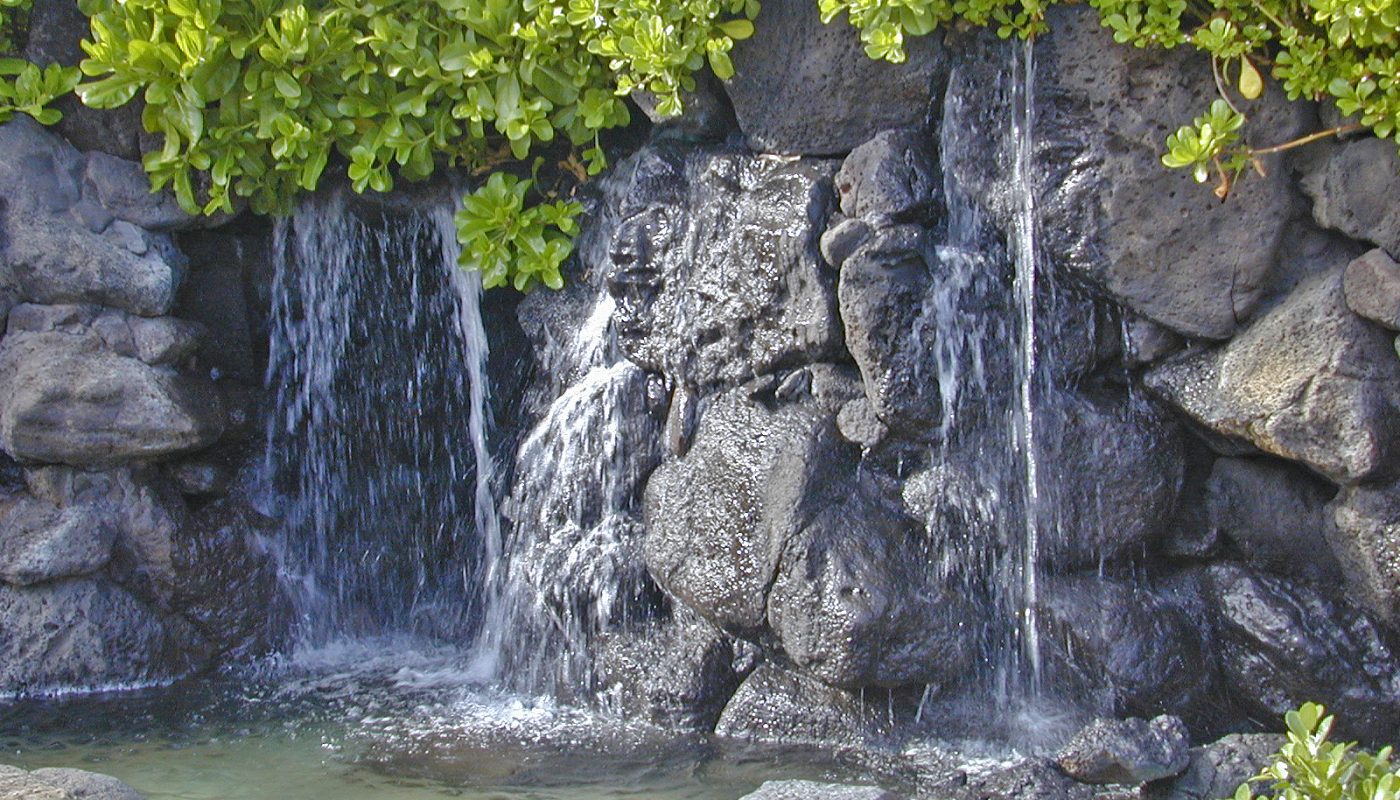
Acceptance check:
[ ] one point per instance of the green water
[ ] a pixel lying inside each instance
(380, 720)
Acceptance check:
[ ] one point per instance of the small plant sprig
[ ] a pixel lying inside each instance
(26, 88)
(1310, 767)
(510, 243)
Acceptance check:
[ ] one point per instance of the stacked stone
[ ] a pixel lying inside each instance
(107, 573)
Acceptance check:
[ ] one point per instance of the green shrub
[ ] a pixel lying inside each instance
(24, 87)
(1309, 767)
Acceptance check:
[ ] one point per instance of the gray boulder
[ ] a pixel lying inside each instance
(1126, 751)
(801, 87)
(1273, 514)
(86, 634)
(779, 707)
(40, 542)
(812, 790)
(59, 243)
(678, 673)
(1151, 238)
(1281, 644)
(88, 387)
(1309, 381)
(715, 267)
(1371, 284)
(1364, 532)
(1217, 769)
(1353, 191)
(892, 178)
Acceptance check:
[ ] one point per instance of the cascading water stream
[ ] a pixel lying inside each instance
(378, 439)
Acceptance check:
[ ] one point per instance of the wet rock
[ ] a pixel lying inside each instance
(1151, 238)
(86, 633)
(62, 245)
(811, 790)
(859, 424)
(1128, 473)
(744, 443)
(40, 542)
(1353, 191)
(84, 785)
(1282, 644)
(893, 178)
(779, 707)
(1372, 288)
(715, 267)
(801, 87)
(220, 291)
(1038, 778)
(1272, 513)
(1144, 341)
(679, 673)
(1127, 751)
(69, 396)
(852, 604)
(1217, 769)
(225, 580)
(1364, 532)
(1124, 648)
(1309, 381)
(201, 476)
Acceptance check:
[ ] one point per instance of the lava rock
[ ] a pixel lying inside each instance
(1272, 512)
(679, 673)
(69, 396)
(62, 245)
(709, 517)
(1033, 777)
(1127, 751)
(1151, 238)
(779, 707)
(1309, 381)
(1125, 648)
(811, 790)
(893, 178)
(1282, 644)
(705, 110)
(1365, 534)
(1217, 769)
(1372, 288)
(1127, 474)
(852, 603)
(86, 633)
(1144, 341)
(715, 267)
(40, 542)
(1353, 191)
(808, 88)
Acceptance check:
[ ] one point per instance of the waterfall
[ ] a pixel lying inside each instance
(978, 332)
(379, 436)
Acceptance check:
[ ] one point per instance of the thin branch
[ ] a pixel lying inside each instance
(1309, 139)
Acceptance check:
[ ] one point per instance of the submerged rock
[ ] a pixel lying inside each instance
(1309, 381)
(1126, 751)
(804, 87)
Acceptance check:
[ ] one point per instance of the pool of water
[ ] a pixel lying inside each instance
(388, 720)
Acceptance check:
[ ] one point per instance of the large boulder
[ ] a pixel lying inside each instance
(775, 706)
(1122, 647)
(1353, 191)
(73, 228)
(1281, 644)
(1272, 513)
(1151, 238)
(85, 634)
(715, 265)
(1309, 381)
(677, 672)
(712, 515)
(91, 387)
(1364, 532)
(802, 87)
